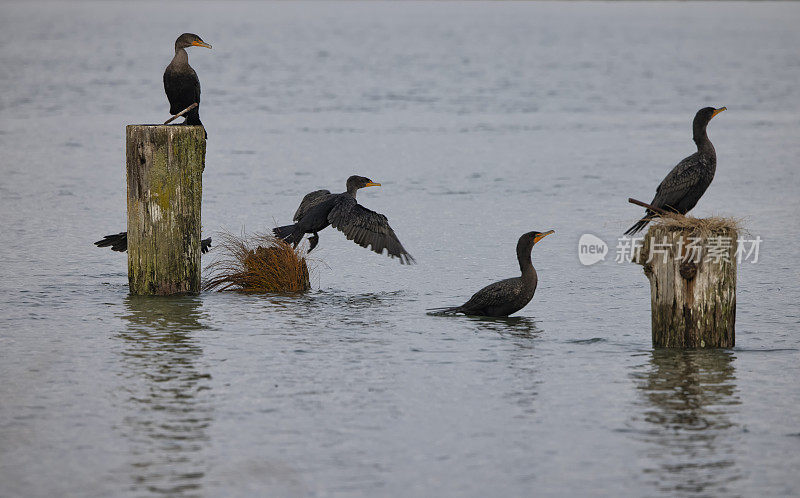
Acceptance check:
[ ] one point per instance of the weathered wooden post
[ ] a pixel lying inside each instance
(165, 187)
(691, 265)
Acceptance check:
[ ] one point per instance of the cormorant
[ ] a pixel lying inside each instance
(686, 183)
(359, 224)
(506, 296)
(180, 80)
(119, 242)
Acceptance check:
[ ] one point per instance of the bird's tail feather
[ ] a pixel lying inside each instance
(639, 225)
(289, 234)
(446, 310)
(117, 242)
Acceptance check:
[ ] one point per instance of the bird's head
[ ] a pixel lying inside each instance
(528, 240)
(705, 114)
(356, 182)
(189, 40)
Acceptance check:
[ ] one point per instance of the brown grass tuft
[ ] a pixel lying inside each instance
(257, 263)
(700, 226)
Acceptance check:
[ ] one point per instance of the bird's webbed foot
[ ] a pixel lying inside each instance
(313, 241)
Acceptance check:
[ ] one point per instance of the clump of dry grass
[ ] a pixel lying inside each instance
(257, 263)
(700, 226)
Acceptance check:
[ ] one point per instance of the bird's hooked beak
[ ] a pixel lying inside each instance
(717, 111)
(542, 235)
(201, 44)
(372, 184)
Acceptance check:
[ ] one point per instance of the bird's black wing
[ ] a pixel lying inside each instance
(310, 200)
(117, 242)
(494, 294)
(681, 181)
(367, 229)
(182, 89)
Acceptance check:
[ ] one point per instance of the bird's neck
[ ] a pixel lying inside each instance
(525, 263)
(352, 191)
(704, 145)
(181, 57)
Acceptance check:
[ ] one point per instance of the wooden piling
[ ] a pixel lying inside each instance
(692, 273)
(165, 187)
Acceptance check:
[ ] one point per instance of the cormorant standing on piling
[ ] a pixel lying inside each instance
(359, 224)
(119, 242)
(686, 183)
(180, 80)
(506, 296)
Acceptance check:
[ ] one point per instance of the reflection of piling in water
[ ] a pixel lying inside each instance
(167, 407)
(165, 187)
(691, 265)
(687, 399)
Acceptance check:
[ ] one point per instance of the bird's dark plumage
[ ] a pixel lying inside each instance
(180, 80)
(689, 179)
(119, 242)
(341, 211)
(506, 296)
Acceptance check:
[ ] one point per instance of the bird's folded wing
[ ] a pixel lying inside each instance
(182, 89)
(368, 229)
(310, 200)
(492, 294)
(678, 182)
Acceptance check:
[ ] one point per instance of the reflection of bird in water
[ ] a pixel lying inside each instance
(506, 296)
(119, 242)
(359, 224)
(180, 81)
(686, 183)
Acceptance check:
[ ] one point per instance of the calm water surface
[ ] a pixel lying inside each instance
(482, 121)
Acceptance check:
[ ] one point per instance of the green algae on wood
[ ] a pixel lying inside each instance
(692, 275)
(165, 187)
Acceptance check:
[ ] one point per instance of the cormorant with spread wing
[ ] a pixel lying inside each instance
(119, 242)
(180, 81)
(688, 181)
(506, 296)
(359, 224)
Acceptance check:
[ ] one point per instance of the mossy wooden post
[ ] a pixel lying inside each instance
(165, 187)
(692, 285)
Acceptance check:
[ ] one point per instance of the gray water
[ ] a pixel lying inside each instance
(482, 121)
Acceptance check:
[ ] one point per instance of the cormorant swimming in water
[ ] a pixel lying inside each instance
(686, 183)
(506, 296)
(119, 242)
(180, 80)
(359, 224)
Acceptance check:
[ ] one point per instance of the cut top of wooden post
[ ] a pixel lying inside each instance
(164, 176)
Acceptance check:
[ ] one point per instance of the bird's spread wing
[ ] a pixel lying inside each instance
(679, 182)
(310, 200)
(368, 228)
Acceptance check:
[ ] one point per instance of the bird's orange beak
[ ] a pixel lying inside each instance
(542, 235)
(717, 111)
(201, 44)
(372, 184)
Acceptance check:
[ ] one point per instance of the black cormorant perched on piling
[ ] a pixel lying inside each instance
(359, 224)
(506, 296)
(119, 242)
(686, 183)
(180, 80)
